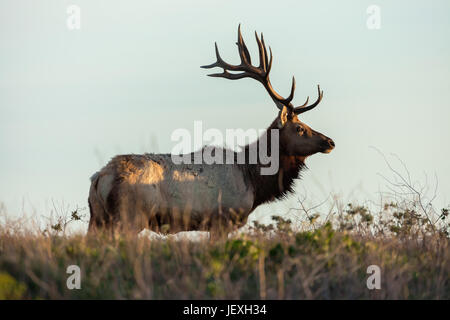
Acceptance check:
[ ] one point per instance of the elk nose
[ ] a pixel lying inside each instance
(331, 143)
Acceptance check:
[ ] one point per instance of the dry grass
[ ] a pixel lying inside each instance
(328, 261)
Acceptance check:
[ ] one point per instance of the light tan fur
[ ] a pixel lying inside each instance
(149, 191)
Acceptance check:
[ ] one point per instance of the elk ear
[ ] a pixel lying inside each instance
(282, 117)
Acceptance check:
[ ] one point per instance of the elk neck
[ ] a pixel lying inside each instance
(268, 188)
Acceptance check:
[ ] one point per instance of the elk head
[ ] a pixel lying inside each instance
(296, 138)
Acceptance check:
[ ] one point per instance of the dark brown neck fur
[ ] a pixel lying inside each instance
(271, 187)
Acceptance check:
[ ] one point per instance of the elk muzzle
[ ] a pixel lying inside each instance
(327, 145)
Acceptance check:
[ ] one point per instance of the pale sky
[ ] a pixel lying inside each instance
(70, 100)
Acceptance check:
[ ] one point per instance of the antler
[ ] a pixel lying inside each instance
(261, 73)
(304, 108)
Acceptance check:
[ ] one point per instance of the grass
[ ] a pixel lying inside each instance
(321, 260)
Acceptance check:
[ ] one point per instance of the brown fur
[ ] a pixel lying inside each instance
(271, 187)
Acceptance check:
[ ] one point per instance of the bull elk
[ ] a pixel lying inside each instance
(134, 192)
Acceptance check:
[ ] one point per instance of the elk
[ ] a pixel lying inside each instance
(133, 192)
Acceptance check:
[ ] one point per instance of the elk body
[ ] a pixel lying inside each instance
(133, 192)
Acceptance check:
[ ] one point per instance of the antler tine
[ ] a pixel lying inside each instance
(270, 61)
(262, 54)
(302, 108)
(219, 62)
(266, 62)
(303, 105)
(243, 51)
(288, 100)
(232, 76)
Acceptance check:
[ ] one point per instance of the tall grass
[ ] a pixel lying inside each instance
(323, 260)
